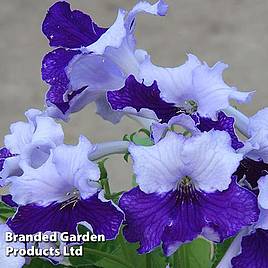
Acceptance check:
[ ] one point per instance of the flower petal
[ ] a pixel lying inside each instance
(147, 215)
(254, 251)
(139, 96)
(158, 167)
(102, 217)
(199, 212)
(71, 29)
(223, 123)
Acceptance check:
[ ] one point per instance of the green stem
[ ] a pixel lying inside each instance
(106, 187)
(124, 248)
(108, 256)
(148, 261)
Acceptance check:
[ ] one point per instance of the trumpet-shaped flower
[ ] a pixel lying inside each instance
(89, 59)
(186, 188)
(63, 193)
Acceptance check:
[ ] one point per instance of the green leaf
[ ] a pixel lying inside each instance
(5, 211)
(193, 255)
(126, 156)
(42, 263)
(219, 251)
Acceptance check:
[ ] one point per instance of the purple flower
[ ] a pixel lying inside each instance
(90, 60)
(62, 193)
(186, 189)
(194, 86)
(249, 249)
(146, 101)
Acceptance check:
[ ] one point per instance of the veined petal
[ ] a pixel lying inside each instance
(194, 81)
(101, 217)
(139, 96)
(223, 123)
(210, 160)
(159, 168)
(66, 171)
(179, 216)
(253, 251)
(72, 164)
(207, 159)
(147, 215)
(71, 29)
(198, 212)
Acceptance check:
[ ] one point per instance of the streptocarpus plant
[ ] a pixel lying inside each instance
(200, 193)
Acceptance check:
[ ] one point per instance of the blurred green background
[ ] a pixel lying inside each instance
(234, 31)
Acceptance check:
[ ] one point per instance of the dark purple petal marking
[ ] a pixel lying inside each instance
(4, 154)
(7, 199)
(71, 29)
(181, 215)
(224, 123)
(147, 215)
(138, 96)
(102, 216)
(54, 64)
(254, 251)
(252, 170)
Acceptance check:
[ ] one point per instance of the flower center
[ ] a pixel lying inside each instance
(191, 106)
(71, 197)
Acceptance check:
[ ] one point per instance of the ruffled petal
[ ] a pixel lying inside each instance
(71, 29)
(106, 112)
(66, 170)
(223, 123)
(159, 129)
(201, 213)
(139, 96)
(147, 215)
(251, 170)
(72, 164)
(180, 216)
(193, 81)
(101, 217)
(158, 168)
(254, 251)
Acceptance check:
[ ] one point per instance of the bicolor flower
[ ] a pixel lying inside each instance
(90, 59)
(249, 249)
(186, 188)
(29, 142)
(10, 261)
(191, 87)
(146, 101)
(63, 193)
(255, 163)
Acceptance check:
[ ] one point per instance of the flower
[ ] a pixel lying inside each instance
(89, 59)
(63, 193)
(191, 87)
(186, 188)
(146, 101)
(29, 142)
(250, 246)
(9, 261)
